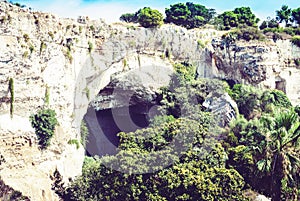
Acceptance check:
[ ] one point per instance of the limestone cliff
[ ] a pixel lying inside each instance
(73, 61)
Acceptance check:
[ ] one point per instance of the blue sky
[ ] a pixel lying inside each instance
(110, 10)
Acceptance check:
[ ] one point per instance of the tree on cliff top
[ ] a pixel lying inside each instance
(150, 18)
(189, 15)
(242, 16)
(284, 14)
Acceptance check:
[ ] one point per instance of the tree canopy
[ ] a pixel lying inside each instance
(284, 14)
(242, 16)
(149, 18)
(296, 15)
(188, 15)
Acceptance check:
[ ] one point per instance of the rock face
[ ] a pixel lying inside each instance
(264, 64)
(74, 61)
(223, 107)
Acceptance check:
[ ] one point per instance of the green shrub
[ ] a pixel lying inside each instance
(84, 133)
(150, 18)
(12, 96)
(185, 71)
(296, 40)
(44, 122)
(74, 141)
(90, 48)
(92, 27)
(248, 33)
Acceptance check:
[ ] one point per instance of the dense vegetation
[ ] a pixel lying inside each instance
(242, 21)
(189, 15)
(184, 155)
(44, 122)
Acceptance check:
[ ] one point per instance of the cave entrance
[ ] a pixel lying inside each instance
(280, 84)
(104, 125)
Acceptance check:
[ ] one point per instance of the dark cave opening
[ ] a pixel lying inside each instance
(113, 121)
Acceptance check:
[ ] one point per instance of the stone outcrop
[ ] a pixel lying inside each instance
(73, 61)
(265, 64)
(223, 107)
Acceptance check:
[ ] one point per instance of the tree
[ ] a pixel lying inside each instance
(269, 24)
(229, 19)
(150, 18)
(296, 15)
(242, 16)
(129, 17)
(282, 160)
(246, 17)
(284, 14)
(189, 15)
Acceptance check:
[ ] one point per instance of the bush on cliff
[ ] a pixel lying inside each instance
(44, 122)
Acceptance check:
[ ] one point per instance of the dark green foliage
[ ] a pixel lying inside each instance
(284, 14)
(44, 122)
(296, 41)
(252, 101)
(264, 151)
(276, 97)
(269, 24)
(177, 157)
(12, 96)
(296, 15)
(187, 178)
(242, 16)
(150, 18)
(188, 15)
(288, 30)
(248, 33)
(247, 99)
(246, 17)
(129, 17)
(58, 184)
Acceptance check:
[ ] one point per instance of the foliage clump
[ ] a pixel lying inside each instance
(150, 18)
(242, 16)
(44, 122)
(189, 15)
